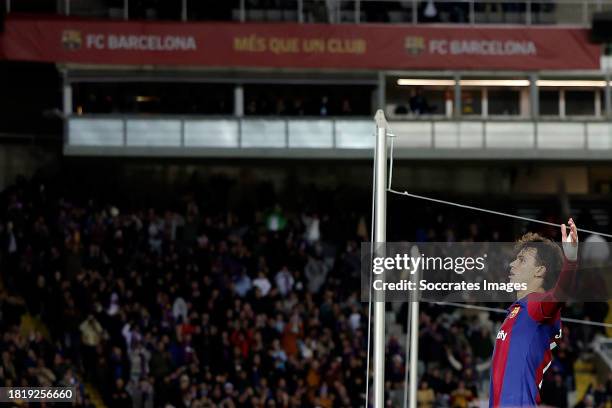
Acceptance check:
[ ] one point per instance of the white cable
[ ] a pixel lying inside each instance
(585, 322)
(391, 158)
(498, 310)
(469, 207)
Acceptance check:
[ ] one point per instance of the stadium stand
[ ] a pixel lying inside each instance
(196, 307)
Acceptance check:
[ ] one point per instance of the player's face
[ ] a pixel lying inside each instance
(524, 267)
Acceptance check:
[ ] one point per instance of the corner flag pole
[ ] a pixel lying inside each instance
(414, 335)
(380, 237)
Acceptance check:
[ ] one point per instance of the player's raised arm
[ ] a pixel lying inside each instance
(570, 252)
(570, 241)
(552, 301)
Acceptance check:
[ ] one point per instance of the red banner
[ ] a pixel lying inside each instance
(297, 45)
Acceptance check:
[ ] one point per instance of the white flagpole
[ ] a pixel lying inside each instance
(414, 335)
(380, 237)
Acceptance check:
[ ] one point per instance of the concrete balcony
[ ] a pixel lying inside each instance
(348, 138)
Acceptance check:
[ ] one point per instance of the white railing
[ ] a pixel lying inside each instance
(527, 12)
(225, 133)
(270, 136)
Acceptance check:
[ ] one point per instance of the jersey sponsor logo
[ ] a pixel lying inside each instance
(514, 312)
(558, 336)
(502, 335)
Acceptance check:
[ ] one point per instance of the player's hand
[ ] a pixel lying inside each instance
(570, 241)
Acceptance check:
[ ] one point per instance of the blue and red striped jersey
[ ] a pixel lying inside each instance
(524, 344)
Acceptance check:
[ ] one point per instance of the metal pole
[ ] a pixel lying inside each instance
(239, 101)
(457, 109)
(562, 103)
(415, 11)
(126, 7)
(184, 10)
(608, 96)
(67, 7)
(67, 98)
(8, 6)
(534, 97)
(380, 236)
(407, 362)
(485, 102)
(358, 11)
(528, 15)
(412, 337)
(242, 11)
(414, 351)
(414, 332)
(381, 91)
(300, 11)
(472, 12)
(182, 142)
(66, 106)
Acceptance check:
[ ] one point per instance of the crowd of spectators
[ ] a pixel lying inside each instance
(298, 106)
(191, 307)
(417, 104)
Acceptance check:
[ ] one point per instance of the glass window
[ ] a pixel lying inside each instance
(308, 100)
(230, 10)
(423, 101)
(471, 102)
(34, 6)
(549, 102)
(417, 100)
(580, 103)
(504, 102)
(153, 97)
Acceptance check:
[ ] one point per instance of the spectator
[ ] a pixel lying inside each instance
(588, 401)
(120, 398)
(141, 393)
(91, 336)
(346, 109)
(280, 109)
(316, 273)
(313, 232)
(418, 103)
(179, 310)
(138, 358)
(262, 284)
(425, 395)
(243, 284)
(275, 220)
(284, 281)
(461, 397)
(554, 391)
(323, 107)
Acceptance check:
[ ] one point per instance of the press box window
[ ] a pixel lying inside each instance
(580, 103)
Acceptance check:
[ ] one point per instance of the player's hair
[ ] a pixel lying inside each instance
(547, 253)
